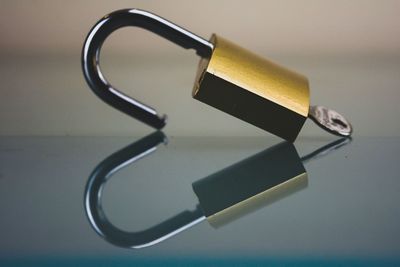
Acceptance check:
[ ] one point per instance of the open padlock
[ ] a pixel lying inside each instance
(224, 196)
(230, 78)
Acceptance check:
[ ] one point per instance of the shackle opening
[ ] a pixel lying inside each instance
(146, 20)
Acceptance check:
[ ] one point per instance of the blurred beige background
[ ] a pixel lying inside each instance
(350, 51)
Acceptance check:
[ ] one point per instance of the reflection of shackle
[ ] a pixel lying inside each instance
(223, 196)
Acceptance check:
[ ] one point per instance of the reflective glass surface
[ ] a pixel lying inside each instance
(81, 201)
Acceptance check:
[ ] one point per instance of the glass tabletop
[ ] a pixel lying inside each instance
(86, 201)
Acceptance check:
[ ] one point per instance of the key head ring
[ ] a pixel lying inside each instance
(331, 121)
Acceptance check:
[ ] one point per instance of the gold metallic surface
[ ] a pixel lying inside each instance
(260, 76)
(258, 201)
(253, 89)
(251, 183)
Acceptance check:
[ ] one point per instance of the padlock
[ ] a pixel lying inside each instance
(224, 196)
(230, 78)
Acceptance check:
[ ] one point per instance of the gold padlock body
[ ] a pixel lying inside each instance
(251, 88)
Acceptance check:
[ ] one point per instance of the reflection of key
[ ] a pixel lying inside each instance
(255, 182)
(223, 196)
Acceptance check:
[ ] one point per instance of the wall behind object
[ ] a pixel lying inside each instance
(350, 50)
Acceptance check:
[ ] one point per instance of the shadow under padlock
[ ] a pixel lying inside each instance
(224, 196)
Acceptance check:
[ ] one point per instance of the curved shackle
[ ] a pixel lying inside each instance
(143, 19)
(97, 217)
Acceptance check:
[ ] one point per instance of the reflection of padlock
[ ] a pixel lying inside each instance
(225, 195)
(230, 78)
(251, 183)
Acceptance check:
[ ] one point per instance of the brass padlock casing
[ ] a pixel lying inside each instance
(251, 88)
